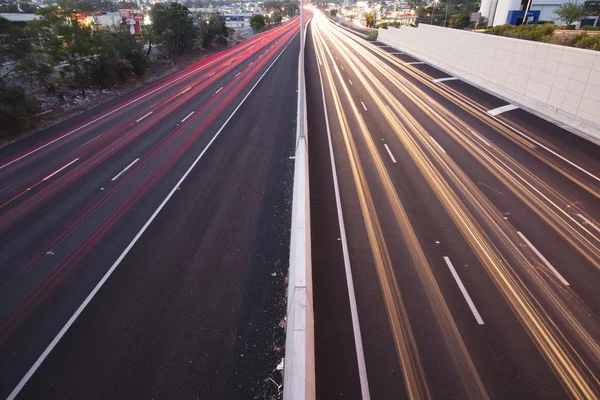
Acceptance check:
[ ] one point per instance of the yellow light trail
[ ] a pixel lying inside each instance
(570, 359)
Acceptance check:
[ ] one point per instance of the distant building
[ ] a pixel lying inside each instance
(500, 12)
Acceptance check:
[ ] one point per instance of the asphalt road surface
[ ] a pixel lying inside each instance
(473, 240)
(145, 243)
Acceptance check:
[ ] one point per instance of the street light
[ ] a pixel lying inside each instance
(433, 12)
(446, 17)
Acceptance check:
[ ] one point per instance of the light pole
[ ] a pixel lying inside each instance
(433, 12)
(526, 11)
(446, 17)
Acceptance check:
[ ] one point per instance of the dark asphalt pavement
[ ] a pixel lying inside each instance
(442, 204)
(194, 308)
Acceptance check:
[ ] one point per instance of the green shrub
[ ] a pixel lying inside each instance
(16, 110)
(500, 30)
(526, 32)
(590, 28)
(570, 27)
(585, 41)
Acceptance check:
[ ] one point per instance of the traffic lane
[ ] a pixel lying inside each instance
(439, 374)
(506, 360)
(443, 239)
(31, 142)
(384, 372)
(336, 365)
(575, 149)
(64, 151)
(208, 301)
(124, 134)
(154, 158)
(572, 262)
(60, 303)
(579, 315)
(576, 193)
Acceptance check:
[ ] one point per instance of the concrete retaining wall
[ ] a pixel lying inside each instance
(558, 83)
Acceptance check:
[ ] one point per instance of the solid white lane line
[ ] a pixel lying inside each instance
(438, 145)
(89, 298)
(415, 63)
(449, 78)
(144, 116)
(211, 74)
(590, 223)
(221, 88)
(478, 136)
(503, 109)
(350, 81)
(236, 75)
(124, 169)
(390, 153)
(558, 275)
(360, 354)
(363, 104)
(60, 169)
(464, 291)
(189, 115)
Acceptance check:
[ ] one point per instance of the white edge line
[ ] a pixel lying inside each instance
(144, 116)
(590, 223)
(60, 169)
(558, 275)
(464, 291)
(360, 356)
(221, 88)
(124, 169)
(189, 115)
(390, 153)
(438, 145)
(89, 298)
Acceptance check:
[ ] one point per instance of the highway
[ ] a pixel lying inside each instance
(455, 238)
(145, 243)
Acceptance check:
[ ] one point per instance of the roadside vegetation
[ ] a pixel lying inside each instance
(59, 57)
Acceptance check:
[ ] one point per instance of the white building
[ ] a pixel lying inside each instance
(500, 12)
